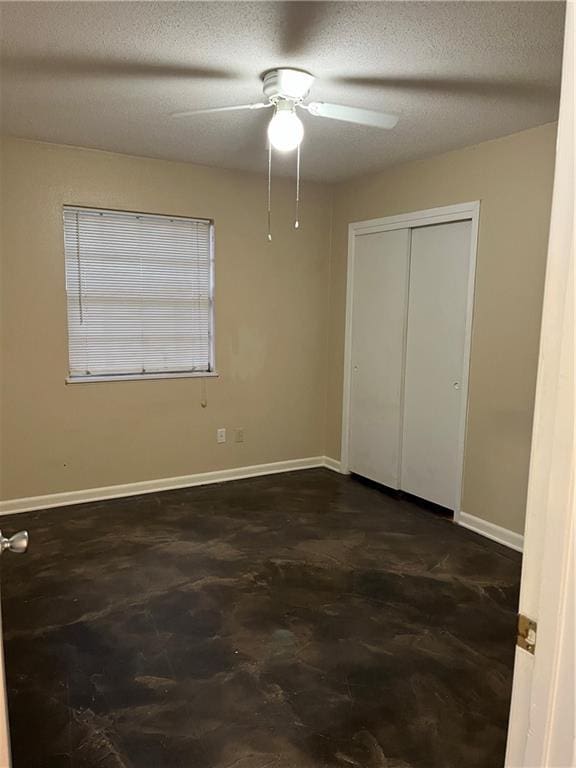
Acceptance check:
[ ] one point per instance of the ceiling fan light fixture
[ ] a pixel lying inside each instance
(285, 130)
(285, 89)
(286, 83)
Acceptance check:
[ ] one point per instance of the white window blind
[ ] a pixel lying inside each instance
(139, 293)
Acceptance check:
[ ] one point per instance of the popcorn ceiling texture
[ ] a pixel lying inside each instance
(107, 75)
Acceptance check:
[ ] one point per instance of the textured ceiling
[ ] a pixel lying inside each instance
(107, 75)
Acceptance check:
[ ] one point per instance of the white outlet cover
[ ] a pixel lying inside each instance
(221, 435)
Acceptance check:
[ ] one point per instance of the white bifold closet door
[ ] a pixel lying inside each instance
(379, 295)
(435, 348)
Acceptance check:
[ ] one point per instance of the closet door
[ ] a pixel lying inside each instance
(440, 258)
(379, 302)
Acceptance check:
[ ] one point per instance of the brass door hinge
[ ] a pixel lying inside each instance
(526, 633)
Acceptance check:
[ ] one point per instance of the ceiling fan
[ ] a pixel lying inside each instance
(285, 90)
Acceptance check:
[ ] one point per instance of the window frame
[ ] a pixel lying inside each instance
(212, 372)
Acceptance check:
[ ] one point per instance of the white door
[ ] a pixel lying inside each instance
(435, 349)
(379, 298)
(4, 738)
(19, 544)
(542, 727)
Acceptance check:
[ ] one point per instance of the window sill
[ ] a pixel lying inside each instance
(142, 377)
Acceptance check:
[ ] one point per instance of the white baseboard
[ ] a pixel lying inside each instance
(12, 506)
(67, 498)
(492, 531)
(334, 465)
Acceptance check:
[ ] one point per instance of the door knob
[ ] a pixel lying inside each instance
(456, 385)
(17, 543)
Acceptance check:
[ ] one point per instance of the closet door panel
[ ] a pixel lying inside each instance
(379, 302)
(440, 257)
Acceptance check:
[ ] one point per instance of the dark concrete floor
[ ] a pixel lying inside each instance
(288, 621)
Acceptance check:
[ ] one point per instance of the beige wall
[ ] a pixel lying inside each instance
(513, 179)
(271, 310)
(280, 314)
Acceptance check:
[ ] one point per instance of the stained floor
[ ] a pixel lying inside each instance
(300, 620)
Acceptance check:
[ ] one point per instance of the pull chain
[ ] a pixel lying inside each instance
(203, 396)
(269, 190)
(297, 220)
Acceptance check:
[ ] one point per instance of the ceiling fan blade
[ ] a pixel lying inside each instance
(99, 68)
(465, 86)
(352, 114)
(298, 24)
(210, 110)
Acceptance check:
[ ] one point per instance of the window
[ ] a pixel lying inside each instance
(140, 295)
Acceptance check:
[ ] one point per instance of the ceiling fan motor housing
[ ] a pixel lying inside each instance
(291, 84)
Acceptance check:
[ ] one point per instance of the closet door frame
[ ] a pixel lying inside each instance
(444, 215)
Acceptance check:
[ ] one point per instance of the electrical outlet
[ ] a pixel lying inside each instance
(221, 435)
(239, 435)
